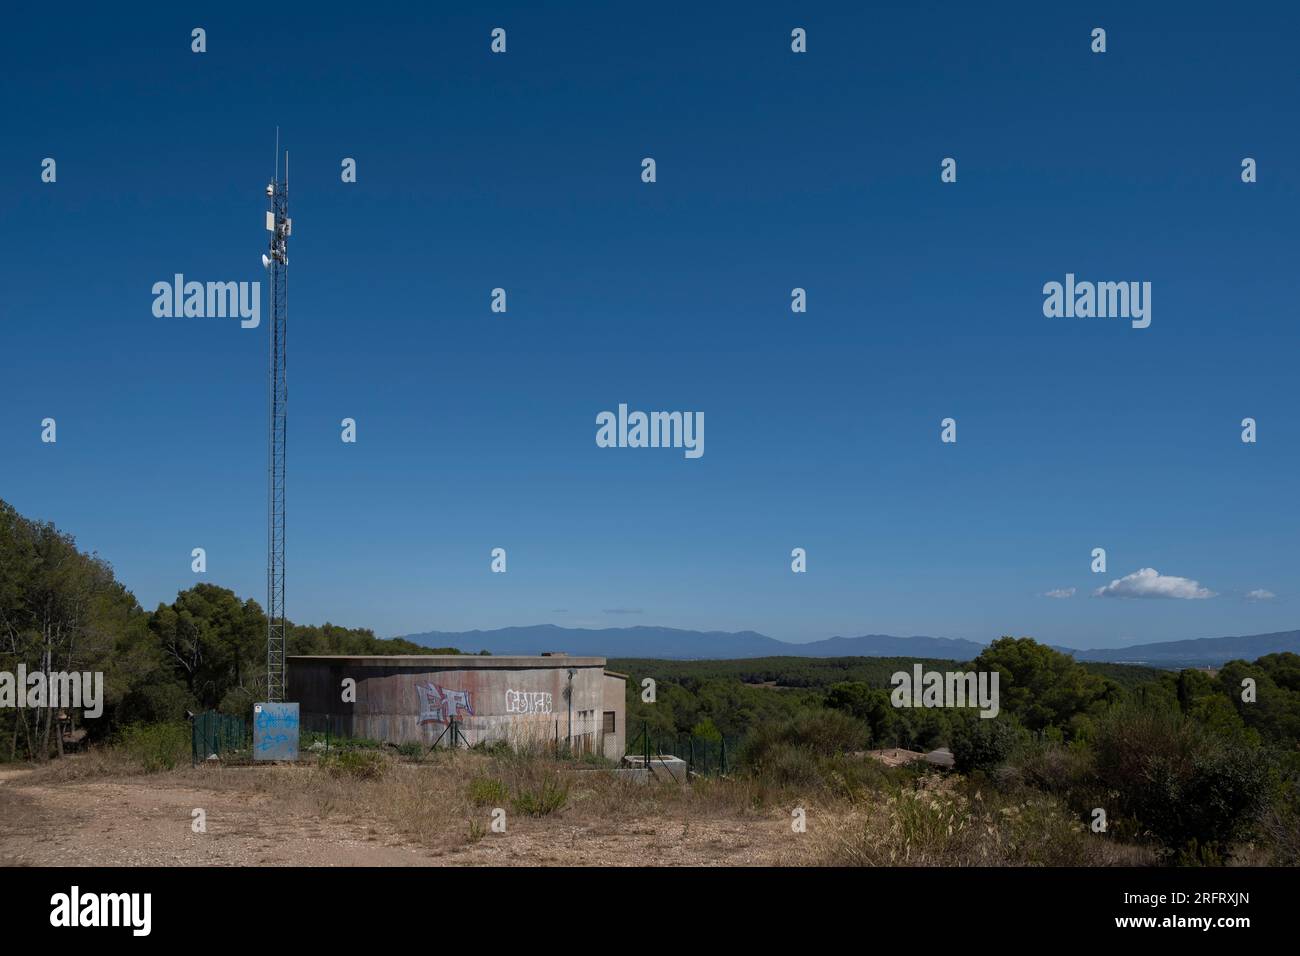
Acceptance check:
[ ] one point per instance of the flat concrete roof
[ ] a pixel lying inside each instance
(455, 661)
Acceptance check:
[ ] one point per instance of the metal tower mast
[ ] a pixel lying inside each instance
(276, 262)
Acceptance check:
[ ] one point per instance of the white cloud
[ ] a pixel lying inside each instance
(1150, 583)
(1259, 594)
(1060, 593)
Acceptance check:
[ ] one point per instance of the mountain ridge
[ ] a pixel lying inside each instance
(647, 641)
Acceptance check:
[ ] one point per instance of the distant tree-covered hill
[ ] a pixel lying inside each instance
(820, 673)
(667, 643)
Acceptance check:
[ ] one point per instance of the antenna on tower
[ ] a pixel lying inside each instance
(276, 261)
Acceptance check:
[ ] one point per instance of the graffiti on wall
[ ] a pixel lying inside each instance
(528, 702)
(439, 704)
(275, 731)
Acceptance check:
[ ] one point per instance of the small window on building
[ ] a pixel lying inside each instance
(609, 722)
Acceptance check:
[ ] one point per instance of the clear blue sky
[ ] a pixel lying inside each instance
(775, 170)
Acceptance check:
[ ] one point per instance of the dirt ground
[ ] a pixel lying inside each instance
(145, 820)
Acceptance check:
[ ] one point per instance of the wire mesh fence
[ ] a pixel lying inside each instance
(223, 736)
(228, 738)
(703, 756)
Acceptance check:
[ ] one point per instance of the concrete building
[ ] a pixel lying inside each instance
(525, 701)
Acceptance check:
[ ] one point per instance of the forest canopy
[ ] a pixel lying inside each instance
(62, 610)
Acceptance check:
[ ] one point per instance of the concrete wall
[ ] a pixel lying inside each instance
(615, 702)
(520, 700)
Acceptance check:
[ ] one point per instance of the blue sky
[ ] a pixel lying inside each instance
(775, 170)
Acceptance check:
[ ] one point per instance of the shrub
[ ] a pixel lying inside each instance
(815, 749)
(984, 744)
(786, 764)
(1281, 823)
(361, 764)
(487, 791)
(539, 799)
(922, 827)
(411, 749)
(238, 701)
(816, 732)
(1067, 771)
(155, 747)
(1193, 790)
(706, 729)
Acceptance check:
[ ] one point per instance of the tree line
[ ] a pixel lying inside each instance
(62, 610)
(1043, 691)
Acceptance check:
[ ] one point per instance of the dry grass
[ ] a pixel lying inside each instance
(449, 798)
(96, 762)
(443, 807)
(930, 825)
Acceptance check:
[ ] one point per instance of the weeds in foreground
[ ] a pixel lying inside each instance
(360, 764)
(487, 792)
(931, 827)
(156, 747)
(545, 797)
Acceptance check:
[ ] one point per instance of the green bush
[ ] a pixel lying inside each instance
(539, 799)
(706, 729)
(818, 748)
(1068, 771)
(1280, 821)
(361, 764)
(238, 701)
(1195, 791)
(786, 764)
(984, 744)
(411, 749)
(487, 791)
(816, 732)
(156, 747)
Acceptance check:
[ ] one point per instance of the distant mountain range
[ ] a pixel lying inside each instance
(672, 643)
(1205, 651)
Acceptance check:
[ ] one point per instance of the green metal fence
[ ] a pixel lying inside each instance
(212, 733)
(704, 756)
